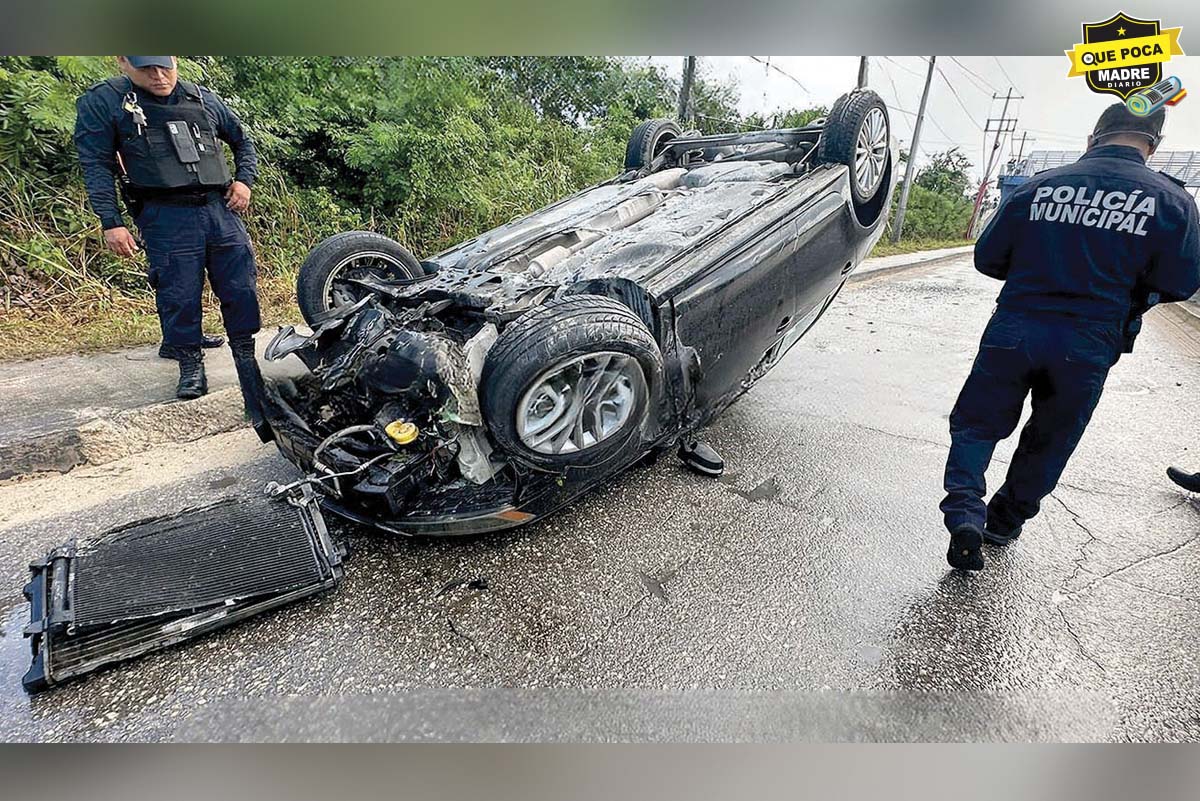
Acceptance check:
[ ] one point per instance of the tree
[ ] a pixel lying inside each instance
(946, 174)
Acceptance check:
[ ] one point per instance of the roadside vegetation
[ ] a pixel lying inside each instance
(429, 151)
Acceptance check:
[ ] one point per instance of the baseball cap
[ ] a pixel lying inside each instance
(1118, 119)
(166, 62)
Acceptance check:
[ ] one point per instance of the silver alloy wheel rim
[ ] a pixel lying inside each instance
(372, 262)
(870, 152)
(580, 403)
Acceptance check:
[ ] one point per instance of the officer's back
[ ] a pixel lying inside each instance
(1095, 238)
(1083, 250)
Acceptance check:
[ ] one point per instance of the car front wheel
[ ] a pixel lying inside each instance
(570, 383)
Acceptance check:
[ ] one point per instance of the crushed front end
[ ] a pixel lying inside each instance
(386, 423)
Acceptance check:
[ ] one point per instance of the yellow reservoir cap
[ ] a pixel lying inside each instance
(402, 432)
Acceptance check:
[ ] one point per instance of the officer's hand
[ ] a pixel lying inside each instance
(237, 197)
(120, 241)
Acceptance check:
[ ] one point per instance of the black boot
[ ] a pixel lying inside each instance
(207, 341)
(1189, 481)
(192, 381)
(251, 381)
(964, 552)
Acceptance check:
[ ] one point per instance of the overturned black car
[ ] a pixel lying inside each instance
(498, 380)
(495, 382)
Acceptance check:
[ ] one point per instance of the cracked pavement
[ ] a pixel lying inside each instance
(803, 596)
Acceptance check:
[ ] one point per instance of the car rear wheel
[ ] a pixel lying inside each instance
(857, 133)
(570, 383)
(327, 277)
(648, 140)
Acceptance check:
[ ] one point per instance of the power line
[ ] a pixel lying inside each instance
(954, 92)
(1007, 77)
(901, 66)
(981, 83)
(929, 114)
(1059, 134)
(782, 72)
(895, 91)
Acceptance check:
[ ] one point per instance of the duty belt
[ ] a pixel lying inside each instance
(182, 198)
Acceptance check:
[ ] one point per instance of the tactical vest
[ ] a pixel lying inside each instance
(157, 156)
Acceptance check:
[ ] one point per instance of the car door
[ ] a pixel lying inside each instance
(738, 312)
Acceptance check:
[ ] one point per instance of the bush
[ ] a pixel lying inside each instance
(931, 215)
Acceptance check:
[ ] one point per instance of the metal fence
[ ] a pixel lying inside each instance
(1181, 164)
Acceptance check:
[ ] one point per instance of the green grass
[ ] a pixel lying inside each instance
(111, 320)
(886, 248)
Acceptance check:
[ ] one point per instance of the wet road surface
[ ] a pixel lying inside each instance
(804, 595)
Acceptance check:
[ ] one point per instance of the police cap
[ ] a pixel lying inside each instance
(140, 62)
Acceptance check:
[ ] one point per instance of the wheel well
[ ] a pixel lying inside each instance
(623, 291)
(867, 214)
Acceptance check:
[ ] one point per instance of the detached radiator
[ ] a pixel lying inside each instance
(161, 581)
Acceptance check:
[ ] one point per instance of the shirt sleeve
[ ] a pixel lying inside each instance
(229, 128)
(96, 143)
(993, 250)
(1175, 272)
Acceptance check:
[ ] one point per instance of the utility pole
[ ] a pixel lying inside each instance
(685, 89)
(863, 65)
(909, 170)
(1021, 152)
(1000, 125)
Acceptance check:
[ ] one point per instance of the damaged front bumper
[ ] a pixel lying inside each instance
(385, 496)
(375, 370)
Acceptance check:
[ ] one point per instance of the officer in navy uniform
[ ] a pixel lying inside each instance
(1083, 250)
(158, 136)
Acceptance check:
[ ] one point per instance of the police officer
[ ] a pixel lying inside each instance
(158, 136)
(1083, 251)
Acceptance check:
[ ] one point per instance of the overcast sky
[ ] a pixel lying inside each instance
(1058, 112)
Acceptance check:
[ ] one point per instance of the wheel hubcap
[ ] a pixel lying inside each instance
(582, 402)
(870, 151)
(340, 288)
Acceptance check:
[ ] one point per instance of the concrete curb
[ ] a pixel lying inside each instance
(1192, 307)
(123, 433)
(881, 265)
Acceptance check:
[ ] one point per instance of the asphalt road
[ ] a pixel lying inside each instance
(804, 596)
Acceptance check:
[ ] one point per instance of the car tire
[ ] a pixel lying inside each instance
(363, 250)
(858, 121)
(647, 140)
(547, 348)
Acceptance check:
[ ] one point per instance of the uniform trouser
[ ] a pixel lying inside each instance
(183, 243)
(1062, 362)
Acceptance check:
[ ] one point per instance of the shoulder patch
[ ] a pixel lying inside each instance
(1173, 179)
